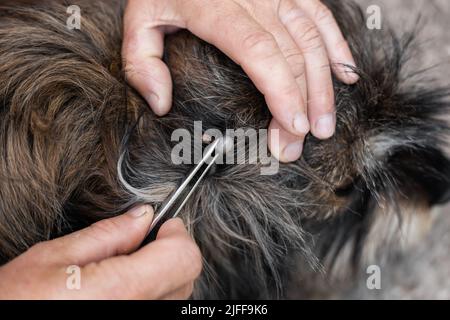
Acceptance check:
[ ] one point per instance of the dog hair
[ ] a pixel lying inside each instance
(67, 116)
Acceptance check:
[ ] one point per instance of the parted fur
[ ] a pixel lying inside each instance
(67, 116)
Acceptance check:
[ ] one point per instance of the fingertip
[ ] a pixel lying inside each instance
(140, 211)
(152, 79)
(145, 70)
(172, 227)
(159, 106)
(175, 223)
(274, 147)
(325, 126)
(351, 77)
(174, 232)
(346, 72)
(289, 113)
(292, 151)
(283, 145)
(301, 123)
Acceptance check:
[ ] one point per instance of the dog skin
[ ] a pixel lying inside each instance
(68, 117)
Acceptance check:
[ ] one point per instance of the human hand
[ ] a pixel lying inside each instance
(285, 46)
(110, 268)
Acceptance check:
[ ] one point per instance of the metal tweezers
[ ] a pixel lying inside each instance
(172, 206)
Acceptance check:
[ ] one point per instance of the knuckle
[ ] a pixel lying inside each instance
(297, 64)
(323, 14)
(132, 59)
(115, 283)
(310, 38)
(298, 70)
(292, 15)
(38, 249)
(305, 30)
(129, 67)
(293, 55)
(130, 43)
(131, 48)
(47, 251)
(104, 228)
(287, 6)
(259, 43)
(290, 91)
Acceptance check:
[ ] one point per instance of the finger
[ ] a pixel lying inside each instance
(106, 238)
(294, 58)
(336, 45)
(182, 293)
(283, 145)
(170, 262)
(142, 51)
(318, 73)
(256, 50)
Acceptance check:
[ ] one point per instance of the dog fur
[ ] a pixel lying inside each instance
(67, 117)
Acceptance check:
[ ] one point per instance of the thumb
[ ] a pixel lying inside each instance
(142, 51)
(106, 238)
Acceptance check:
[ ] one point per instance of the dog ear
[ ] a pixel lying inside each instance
(411, 140)
(422, 170)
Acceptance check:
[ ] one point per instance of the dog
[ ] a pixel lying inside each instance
(68, 118)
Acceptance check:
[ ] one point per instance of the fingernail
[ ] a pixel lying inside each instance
(153, 101)
(350, 72)
(325, 126)
(293, 151)
(140, 211)
(301, 124)
(346, 72)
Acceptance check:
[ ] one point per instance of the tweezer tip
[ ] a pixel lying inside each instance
(224, 145)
